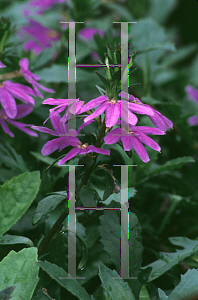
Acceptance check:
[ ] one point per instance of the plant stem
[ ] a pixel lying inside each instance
(11, 75)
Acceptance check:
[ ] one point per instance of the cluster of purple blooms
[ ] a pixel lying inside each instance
(130, 134)
(9, 91)
(38, 37)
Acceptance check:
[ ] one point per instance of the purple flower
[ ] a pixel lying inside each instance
(193, 95)
(112, 109)
(9, 90)
(64, 140)
(43, 5)
(2, 65)
(22, 111)
(41, 37)
(31, 78)
(88, 33)
(157, 118)
(134, 137)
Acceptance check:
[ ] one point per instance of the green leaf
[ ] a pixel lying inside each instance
(144, 295)
(20, 269)
(135, 252)
(59, 73)
(114, 287)
(56, 73)
(5, 294)
(162, 295)
(89, 197)
(168, 260)
(151, 48)
(47, 205)
(16, 196)
(43, 58)
(109, 186)
(104, 80)
(71, 285)
(172, 164)
(8, 239)
(121, 10)
(161, 10)
(109, 230)
(179, 55)
(11, 158)
(187, 288)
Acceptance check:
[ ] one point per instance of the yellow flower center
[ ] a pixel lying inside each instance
(1, 84)
(52, 34)
(127, 130)
(112, 101)
(83, 146)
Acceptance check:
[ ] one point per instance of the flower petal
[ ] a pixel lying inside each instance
(5, 128)
(45, 130)
(51, 146)
(192, 93)
(111, 137)
(93, 103)
(112, 114)
(97, 112)
(8, 103)
(192, 121)
(126, 141)
(20, 91)
(139, 149)
(22, 127)
(127, 116)
(23, 110)
(143, 138)
(99, 150)
(141, 109)
(147, 130)
(73, 152)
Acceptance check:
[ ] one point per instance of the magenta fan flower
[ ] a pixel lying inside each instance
(193, 95)
(31, 78)
(134, 137)
(9, 90)
(112, 109)
(157, 118)
(22, 111)
(64, 140)
(43, 5)
(40, 37)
